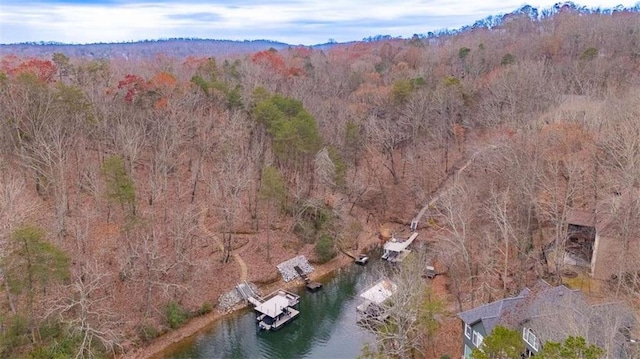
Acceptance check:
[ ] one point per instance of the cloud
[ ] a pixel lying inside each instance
(197, 16)
(297, 21)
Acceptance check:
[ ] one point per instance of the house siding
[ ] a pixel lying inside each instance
(606, 257)
(468, 342)
(542, 309)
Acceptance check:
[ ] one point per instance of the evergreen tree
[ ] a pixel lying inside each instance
(502, 343)
(571, 348)
(120, 186)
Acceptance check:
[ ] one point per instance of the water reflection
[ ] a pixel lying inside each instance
(326, 327)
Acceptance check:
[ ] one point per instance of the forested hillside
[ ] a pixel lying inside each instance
(127, 185)
(142, 49)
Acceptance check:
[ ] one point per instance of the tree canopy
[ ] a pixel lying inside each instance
(571, 348)
(502, 343)
(294, 130)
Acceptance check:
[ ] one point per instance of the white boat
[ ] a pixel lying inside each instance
(362, 260)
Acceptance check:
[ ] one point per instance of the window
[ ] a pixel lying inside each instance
(530, 338)
(467, 331)
(467, 352)
(477, 339)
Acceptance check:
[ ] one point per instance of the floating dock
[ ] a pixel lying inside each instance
(311, 286)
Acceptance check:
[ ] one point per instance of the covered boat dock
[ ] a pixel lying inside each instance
(277, 310)
(395, 250)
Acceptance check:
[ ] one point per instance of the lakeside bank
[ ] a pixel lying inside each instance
(327, 326)
(169, 341)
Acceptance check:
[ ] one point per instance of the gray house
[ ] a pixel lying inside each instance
(480, 321)
(546, 313)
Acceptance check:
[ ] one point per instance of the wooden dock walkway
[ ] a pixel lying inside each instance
(311, 286)
(246, 291)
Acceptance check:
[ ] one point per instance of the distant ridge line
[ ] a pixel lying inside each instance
(171, 39)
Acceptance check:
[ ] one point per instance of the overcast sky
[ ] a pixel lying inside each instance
(295, 22)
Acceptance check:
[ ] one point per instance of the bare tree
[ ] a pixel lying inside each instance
(48, 155)
(230, 181)
(388, 135)
(149, 266)
(457, 212)
(165, 141)
(448, 109)
(86, 310)
(618, 172)
(16, 206)
(558, 190)
(411, 316)
(325, 170)
(510, 184)
(498, 211)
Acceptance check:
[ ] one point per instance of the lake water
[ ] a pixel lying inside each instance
(326, 327)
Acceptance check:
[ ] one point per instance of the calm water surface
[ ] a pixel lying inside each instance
(326, 327)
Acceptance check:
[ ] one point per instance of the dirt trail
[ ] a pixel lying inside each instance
(236, 256)
(450, 182)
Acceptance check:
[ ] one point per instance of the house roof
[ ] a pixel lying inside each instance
(491, 314)
(563, 312)
(581, 217)
(555, 313)
(603, 216)
(559, 297)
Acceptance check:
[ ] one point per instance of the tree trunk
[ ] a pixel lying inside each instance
(195, 179)
(268, 237)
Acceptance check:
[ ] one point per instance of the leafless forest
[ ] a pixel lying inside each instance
(127, 186)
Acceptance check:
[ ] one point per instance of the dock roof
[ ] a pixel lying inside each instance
(274, 306)
(380, 292)
(395, 245)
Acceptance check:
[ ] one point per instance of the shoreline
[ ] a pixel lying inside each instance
(170, 341)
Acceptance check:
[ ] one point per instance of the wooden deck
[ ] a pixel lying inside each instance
(311, 286)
